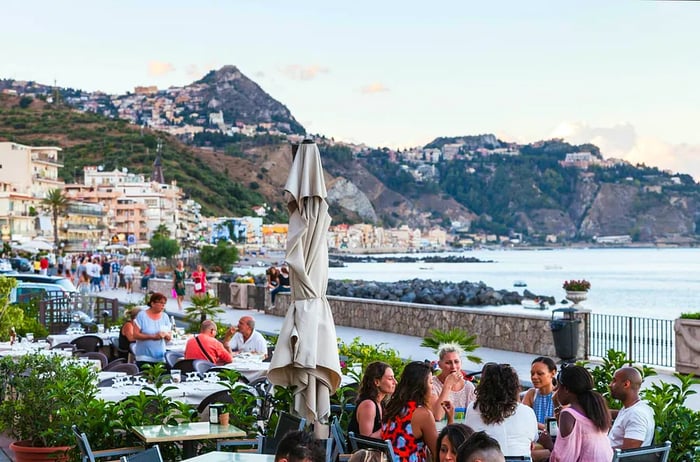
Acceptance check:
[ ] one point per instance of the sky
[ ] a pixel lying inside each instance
(621, 74)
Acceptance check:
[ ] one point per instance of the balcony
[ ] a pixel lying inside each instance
(48, 159)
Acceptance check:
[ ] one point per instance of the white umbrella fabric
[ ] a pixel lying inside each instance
(39, 244)
(306, 355)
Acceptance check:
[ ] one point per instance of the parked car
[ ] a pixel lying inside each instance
(20, 264)
(26, 291)
(64, 283)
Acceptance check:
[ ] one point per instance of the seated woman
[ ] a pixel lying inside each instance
(282, 284)
(450, 439)
(378, 383)
(408, 421)
(450, 384)
(584, 425)
(497, 411)
(126, 333)
(539, 397)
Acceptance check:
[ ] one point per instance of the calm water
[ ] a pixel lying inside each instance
(654, 283)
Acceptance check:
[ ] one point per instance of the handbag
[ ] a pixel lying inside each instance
(174, 292)
(197, 286)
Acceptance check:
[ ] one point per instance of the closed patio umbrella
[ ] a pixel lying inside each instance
(306, 354)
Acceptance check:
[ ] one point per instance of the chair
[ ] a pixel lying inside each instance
(185, 365)
(113, 363)
(88, 343)
(222, 396)
(149, 455)
(363, 442)
(285, 424)
(96, 355)
(64, 346)
(171, 357)
(202, 365)
(88, 455)
(657, 453)
(340, 447)
(516, 458)
(328, 445)
(128, 368)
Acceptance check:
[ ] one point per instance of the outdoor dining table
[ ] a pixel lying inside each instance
(220, 456)
(188, 433)
(55, 339)
(186, 392)
(250, 366)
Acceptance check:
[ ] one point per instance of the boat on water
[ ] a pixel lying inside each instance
(535, 304)
(426, 267)
(519, 284)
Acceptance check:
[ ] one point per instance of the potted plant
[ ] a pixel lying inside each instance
(40, 398)
(576, 290)
(687, 329)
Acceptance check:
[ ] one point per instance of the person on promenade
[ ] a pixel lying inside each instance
(378, 383)
(206, 346)
(128, 273)
(282, 284)
(245, 338)
(300, 446)
(84, 290)
(126, 333)
(450, 439)
(497, 411)
(179, 276)
(540, 397)
(634, 424)
(450, 385)
(583, 426)
(200, 281)
(114, 268)
(408, 421)
(480, 447)
(152, 329)
(148, 274)
(272, 274)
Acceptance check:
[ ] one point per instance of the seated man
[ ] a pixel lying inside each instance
(245, 338)
(480, 447)
(299, 446)
(634, 424)
(206, 346)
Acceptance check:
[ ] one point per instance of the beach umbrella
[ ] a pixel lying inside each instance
(39, 244)
(306, 354)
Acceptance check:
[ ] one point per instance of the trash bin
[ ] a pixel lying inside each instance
(565, 333)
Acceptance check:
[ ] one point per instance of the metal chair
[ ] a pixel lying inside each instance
(149, 455)
(185, 365)
(285, 424)
(363, 442)
(202, 365)
(171, 357)
(128, 368)
(657, 453)
(88, 343)
(113, 363)
(340, 447)
(64, 346)
(96, 355)
(88, 455)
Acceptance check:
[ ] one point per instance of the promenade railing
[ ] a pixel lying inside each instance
(56, 312)
(644, 340)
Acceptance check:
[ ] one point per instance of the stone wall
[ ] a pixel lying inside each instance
(504, 331)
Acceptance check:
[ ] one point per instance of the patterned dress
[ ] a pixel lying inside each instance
(407, 448)
(180, 282)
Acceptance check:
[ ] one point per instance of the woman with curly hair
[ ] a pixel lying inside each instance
(408, 421)
(378, 383)
(584, 424)
(497, 411)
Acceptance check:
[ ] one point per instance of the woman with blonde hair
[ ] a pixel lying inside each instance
(450, 385)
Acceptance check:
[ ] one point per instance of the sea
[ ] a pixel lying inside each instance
(656, 283)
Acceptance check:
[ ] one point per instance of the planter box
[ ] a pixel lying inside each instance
(687, 346)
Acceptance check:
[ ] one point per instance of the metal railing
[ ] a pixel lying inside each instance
(56, 312)
(644, 340)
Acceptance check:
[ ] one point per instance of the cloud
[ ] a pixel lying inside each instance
(372, 88)
(298, 72)
(159, 68)
(622, 141)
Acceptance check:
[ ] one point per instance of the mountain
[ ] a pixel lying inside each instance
(472, 183)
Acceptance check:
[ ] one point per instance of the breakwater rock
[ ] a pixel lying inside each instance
(407, 259)
(428, 292)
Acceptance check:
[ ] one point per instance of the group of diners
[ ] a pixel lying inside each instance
(497, 421)
(150, 329)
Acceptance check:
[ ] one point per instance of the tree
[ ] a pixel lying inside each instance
(57, 203)
(219, 257)
(162, 247)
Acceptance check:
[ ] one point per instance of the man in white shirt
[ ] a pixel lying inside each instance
(634, 424)
(245, 338)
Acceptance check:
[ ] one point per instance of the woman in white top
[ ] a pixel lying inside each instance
(498, 411)
(450, 384)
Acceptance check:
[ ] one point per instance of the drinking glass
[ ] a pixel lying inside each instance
(30, 336)
(100, 328)
(175, 376)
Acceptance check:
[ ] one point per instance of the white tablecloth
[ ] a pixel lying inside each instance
(55, 339)
(186, 392)
(250, 366)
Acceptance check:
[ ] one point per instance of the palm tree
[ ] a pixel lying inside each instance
(57, 203)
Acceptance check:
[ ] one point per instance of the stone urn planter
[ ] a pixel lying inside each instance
(687, 345)
(576, 296)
